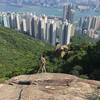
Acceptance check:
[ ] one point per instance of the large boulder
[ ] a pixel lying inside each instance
(49, 86)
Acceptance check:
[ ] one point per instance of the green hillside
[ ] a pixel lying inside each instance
(82, 38)
(19, 54)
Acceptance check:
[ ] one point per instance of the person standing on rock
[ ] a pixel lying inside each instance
(43, 62)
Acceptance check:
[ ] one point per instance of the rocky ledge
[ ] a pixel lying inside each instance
(49, 86)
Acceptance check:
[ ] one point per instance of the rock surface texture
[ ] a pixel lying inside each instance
(49, 86)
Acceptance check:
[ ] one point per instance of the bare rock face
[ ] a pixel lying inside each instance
(49, 86)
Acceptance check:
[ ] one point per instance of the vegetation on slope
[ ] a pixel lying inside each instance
(82, 38)
(83, 60)
(20, 54)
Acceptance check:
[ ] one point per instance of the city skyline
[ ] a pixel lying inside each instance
(90, 26)
(51, 29)
(40, 27)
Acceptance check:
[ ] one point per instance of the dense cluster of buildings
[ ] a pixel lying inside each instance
(53, 30)
(49, 29)
(68, 12)
(90, 25)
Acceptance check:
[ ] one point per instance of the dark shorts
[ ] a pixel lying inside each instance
(43, 64)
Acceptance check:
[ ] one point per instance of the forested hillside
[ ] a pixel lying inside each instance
(20, 54)
(82, 38)
(83, 60)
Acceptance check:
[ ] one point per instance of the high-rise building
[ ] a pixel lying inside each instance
(8, 22)
(64, 12)
(29, 17)
(44, 21)
(97, 23)
(87, 23)
(89, 20)
(52, 33)
(5, 23)
(13, 21)
(68, 13)
(39, 35)
(72, 30)
(23, 26)
(47, 32)
(0, 20)
(66, 33)
(80, 22)
(42, 28)
(93, 22)
(18, 22)
(91, 33)
(34, 26)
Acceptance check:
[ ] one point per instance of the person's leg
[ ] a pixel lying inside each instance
(44, 69)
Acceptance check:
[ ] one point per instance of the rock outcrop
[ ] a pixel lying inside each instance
(49, 86)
